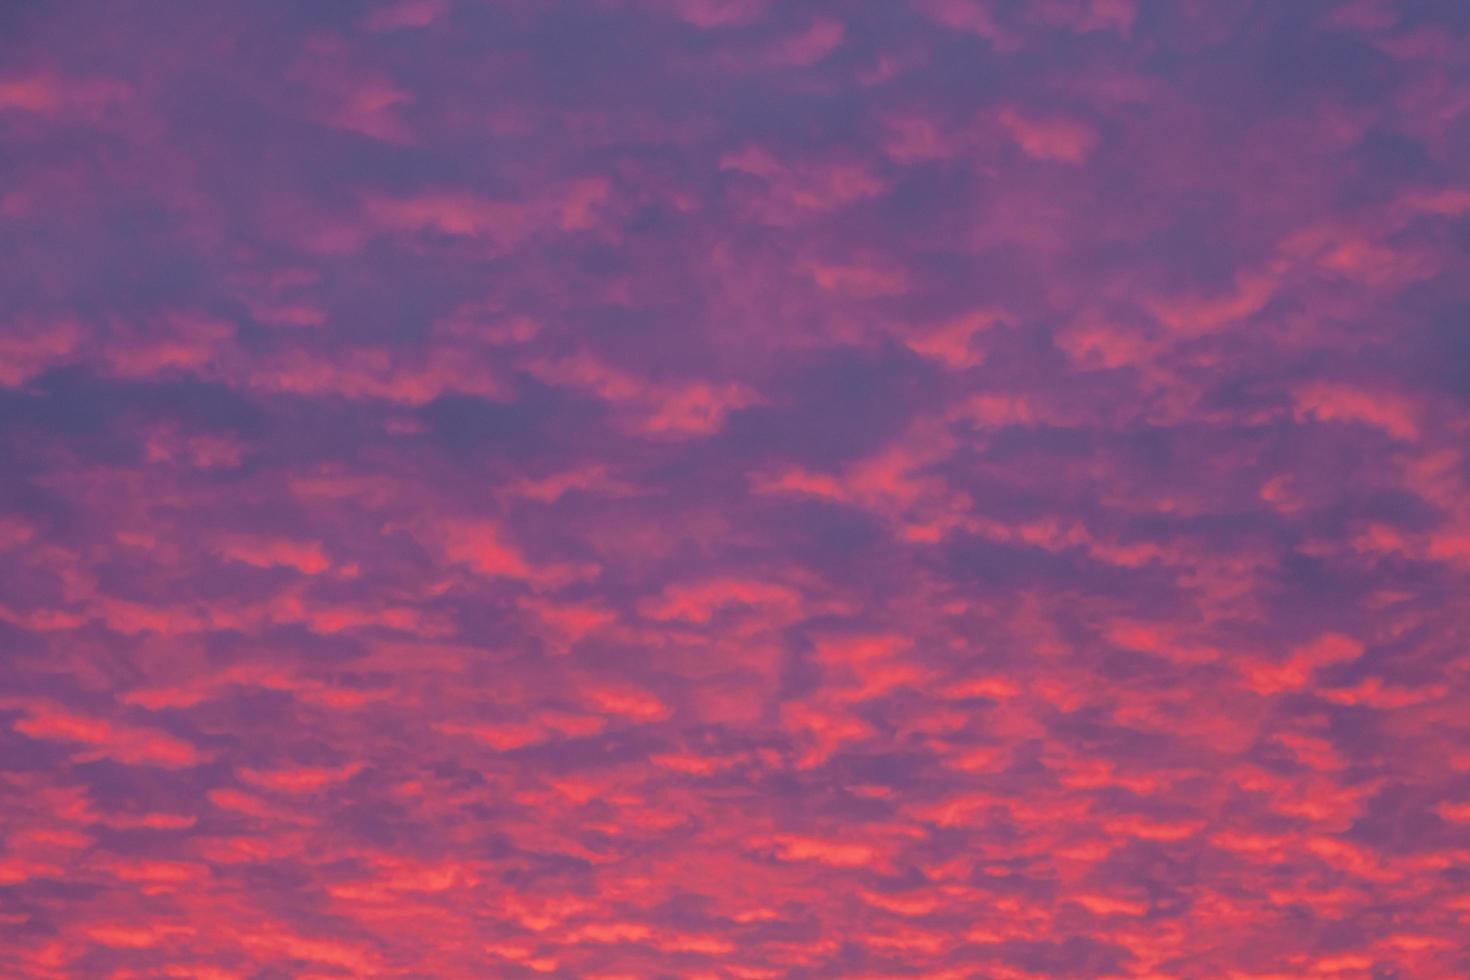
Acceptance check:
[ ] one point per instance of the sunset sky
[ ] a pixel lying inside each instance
(735, 489)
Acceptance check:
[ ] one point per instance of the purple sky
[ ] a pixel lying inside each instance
(729, 488)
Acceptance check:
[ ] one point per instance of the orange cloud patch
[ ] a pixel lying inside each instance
(1192, 315)
(306, 557)
(141, 936)
(300, 779)
(104, 739)
(1391, 413)
(1297, 668)
(1159, 639)
(822, 730)
(698, 602)
(841, 854)
(482, 546)
(626, 701)
(953, 343)
(286, 946)
(803, 482)
(694, 410)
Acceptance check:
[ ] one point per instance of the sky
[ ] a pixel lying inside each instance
(731, 488)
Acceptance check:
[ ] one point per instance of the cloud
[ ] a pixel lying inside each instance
(1053, 138)
(100, 738)
(725, 488)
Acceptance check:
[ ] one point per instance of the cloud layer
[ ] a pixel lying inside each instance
(721, 488)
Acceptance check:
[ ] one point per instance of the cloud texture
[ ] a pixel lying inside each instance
(728, 488)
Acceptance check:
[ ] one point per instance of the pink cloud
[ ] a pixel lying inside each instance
(103, 739)
(720, 488)
(1049, 138)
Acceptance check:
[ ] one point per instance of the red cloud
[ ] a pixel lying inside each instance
(103, 739)
(709, 488)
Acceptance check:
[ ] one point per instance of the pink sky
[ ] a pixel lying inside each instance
(729, 488)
